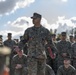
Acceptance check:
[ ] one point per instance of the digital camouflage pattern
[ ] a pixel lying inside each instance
(66, 71)
(35, 38)
(63, 47)
(74, 54)
(22, 61)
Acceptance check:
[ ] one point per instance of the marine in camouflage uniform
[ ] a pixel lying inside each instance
(49, 70)
(67, 68)
(63, 71)
(19, 62)
(63, 48)
(10, 43)
(74, 52)
(35, 37)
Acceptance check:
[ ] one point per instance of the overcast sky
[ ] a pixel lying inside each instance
(15, 15)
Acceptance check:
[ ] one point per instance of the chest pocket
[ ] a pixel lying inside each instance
(43, 34)
(37, 33)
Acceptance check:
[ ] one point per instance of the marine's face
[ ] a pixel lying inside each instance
(36, 21)
(20, 53)
(71, 39)
(9, 37)
(53, 38)
(63, 37)
(66, 62)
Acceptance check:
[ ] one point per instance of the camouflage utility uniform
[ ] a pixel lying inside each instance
(63, 47)
(22, 61)
(66, 71)
(35, 38)
(74, 54)
(49, 70)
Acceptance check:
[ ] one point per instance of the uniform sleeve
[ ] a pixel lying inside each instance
(50, 42)
(51, 72)
(25, 61)
(13, 62)
(5, 43)
(72, 50)
(24, 39)
(59, 72)
(74, 72)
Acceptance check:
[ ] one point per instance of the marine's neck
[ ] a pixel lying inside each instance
(37, 25)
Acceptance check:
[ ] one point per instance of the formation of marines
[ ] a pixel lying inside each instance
(39, 52)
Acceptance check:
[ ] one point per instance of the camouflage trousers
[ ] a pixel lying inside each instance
(36, 66)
